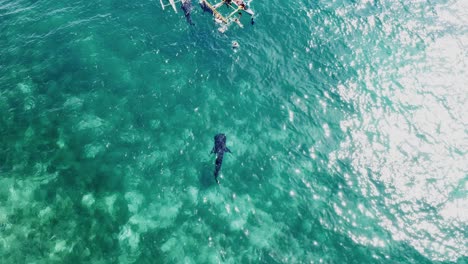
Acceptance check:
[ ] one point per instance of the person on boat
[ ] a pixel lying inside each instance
(241, 4)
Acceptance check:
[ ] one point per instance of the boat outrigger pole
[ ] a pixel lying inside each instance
(214, 11)
(171, 3)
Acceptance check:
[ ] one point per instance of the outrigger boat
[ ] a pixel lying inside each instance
(238, 6)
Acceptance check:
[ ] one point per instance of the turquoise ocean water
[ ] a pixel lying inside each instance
(347, 120)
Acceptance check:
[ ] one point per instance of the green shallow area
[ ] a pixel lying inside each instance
(345, 120)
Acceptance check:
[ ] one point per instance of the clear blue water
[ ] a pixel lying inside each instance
(346, 119)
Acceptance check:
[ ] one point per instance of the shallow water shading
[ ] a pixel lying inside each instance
(345, 121)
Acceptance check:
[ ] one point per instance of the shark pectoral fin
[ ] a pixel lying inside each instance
(228, 150)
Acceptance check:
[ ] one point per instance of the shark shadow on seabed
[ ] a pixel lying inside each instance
(206, 174)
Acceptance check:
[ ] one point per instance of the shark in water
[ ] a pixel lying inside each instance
(186, 6)
(219, 149)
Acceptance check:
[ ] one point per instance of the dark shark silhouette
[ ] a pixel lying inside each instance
(186, 6)
(219, 149)
(205, 7)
